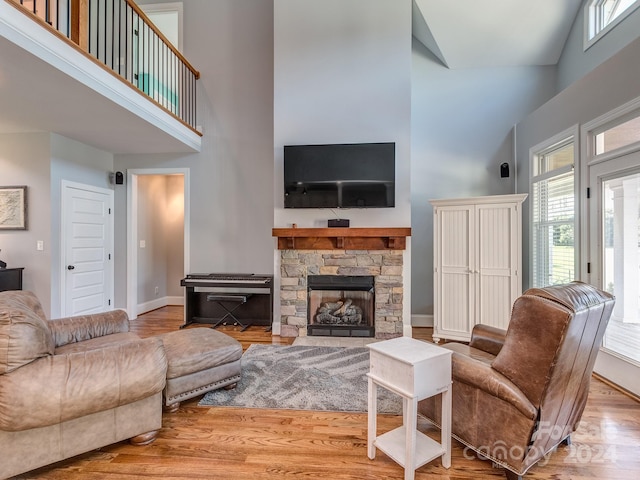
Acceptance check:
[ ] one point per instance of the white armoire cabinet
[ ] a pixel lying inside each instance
(477, 263)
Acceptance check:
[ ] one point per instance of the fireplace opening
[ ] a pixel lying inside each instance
(341, 306)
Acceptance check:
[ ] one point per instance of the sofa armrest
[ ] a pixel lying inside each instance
(62, 387)
(85, 327)
(480, 375)
(488, 339)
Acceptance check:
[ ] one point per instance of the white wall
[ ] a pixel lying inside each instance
(24, 160)
(461, 132)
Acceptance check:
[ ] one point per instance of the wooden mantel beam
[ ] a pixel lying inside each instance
(393, 238)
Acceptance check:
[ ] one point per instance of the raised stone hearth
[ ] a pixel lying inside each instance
(384, 265)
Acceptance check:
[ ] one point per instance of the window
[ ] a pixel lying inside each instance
(553, 215)
(602, 15)
(617, 136)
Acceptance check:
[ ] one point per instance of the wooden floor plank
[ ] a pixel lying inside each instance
(231, 443)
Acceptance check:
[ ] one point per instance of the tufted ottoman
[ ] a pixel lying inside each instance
(199, 360)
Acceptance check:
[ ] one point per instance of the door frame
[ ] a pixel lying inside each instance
(64, 216)
(132, 231)
(609, 364)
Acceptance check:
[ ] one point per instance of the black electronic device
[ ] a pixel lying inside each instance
(352, 175)
(119, 178)
(338, 222)
(504, 170)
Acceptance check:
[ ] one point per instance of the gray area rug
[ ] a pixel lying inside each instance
(304, 378)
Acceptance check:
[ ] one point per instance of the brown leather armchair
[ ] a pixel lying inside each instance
(71, 385)
(519, 393)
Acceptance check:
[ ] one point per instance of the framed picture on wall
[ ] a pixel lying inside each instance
(13, 208)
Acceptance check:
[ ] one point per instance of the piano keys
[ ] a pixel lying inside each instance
(228, 298)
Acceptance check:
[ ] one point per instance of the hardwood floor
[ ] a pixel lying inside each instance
(235, 443)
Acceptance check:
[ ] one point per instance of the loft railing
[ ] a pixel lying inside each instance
(119, 35)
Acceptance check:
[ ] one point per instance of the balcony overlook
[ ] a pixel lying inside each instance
(96, 71)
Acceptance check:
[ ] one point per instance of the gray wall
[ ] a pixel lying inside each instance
(575, 62)
(231, 43)
(25, 160)
(75, 162)
(606, 87)
(41, 161)
(461, 131)
(343, 75)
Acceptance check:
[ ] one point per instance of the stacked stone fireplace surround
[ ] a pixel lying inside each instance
(384, 265)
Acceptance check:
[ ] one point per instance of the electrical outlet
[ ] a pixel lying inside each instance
(143, 243)
(157, 291)
(40, 245)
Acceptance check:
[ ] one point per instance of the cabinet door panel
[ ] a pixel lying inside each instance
(497, 263)
(456, 303)
(456, 293)
(494, 300)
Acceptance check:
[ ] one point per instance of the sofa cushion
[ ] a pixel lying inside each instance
(24, 333)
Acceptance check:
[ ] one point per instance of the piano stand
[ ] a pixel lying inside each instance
(229, 298)
(244, 299)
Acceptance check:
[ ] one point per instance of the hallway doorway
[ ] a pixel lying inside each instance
(157, 238)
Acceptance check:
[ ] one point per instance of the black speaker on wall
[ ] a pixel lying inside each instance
(504, 170)
(119, 178)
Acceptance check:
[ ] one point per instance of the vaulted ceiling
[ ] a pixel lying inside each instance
(494, 33)
(461, 33)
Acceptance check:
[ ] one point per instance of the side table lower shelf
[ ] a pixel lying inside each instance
(393, 443)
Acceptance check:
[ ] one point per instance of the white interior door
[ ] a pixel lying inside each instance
(614, 239)
(87, 267)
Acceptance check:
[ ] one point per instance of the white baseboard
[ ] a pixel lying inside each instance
(177, 300)
(159, 303)
(421, 320)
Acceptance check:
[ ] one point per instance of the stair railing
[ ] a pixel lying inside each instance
(119, 35)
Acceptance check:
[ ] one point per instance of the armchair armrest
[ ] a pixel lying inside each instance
(62, 387)
(488, 339)
(480, 375)
(85, 327)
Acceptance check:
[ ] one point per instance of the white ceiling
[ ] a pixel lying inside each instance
(494, 33)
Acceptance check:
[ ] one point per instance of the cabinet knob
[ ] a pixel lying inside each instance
(70, 267)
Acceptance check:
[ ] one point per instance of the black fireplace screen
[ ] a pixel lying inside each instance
(341, 305)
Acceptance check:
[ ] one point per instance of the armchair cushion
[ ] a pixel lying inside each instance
(473, 370)
(487, 338)
(24, 333)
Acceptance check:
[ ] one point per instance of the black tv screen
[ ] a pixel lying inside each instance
(353, 175)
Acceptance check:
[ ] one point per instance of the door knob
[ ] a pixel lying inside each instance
(70, 267)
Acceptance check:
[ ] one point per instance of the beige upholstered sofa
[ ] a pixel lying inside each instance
(71, 385)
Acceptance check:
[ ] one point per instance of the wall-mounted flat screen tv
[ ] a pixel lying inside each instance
(353, 175)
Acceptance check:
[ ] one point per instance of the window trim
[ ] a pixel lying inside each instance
(590, 19)
(570, 135)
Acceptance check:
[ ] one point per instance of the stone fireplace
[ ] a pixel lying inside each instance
(341, 305)
(349, 253)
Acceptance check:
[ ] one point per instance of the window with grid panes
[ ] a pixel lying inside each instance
(553, 215)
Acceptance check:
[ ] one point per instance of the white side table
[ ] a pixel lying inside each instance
(414, 370)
